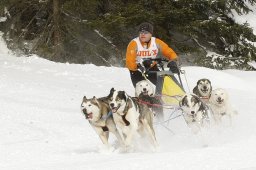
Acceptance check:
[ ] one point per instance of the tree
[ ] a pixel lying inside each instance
(56, 32)
(98, 31)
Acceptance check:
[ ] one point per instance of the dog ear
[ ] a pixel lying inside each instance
(84, 98)
(137, 84)
(182, 102)
(198, 81)
(112, 90)
(209, 81)
(197, 99)
(95, 99)
(122, 95)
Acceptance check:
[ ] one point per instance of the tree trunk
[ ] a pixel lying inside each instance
(56, 28)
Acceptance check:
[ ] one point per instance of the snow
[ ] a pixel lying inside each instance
(253, 64)
(42, 127)
(246, 18)
(3, 19)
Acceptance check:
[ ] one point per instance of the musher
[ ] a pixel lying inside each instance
(145, 46)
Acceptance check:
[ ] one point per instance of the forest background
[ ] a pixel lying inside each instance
(201, 32)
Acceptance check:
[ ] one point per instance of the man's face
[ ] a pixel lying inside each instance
(144, 36)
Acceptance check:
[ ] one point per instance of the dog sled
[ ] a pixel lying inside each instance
(174, 99)
(169, 84)
(169, 89)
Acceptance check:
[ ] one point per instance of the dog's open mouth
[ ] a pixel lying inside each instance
(88, 116)
(114, 109)
(204, 90)
(145, 92)
(220, 101)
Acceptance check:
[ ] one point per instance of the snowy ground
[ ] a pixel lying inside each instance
(41, 126)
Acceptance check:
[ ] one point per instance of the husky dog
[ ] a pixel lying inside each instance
(98, 114)
(144, 87)
(130, 117)
(195, 112)
(203, 89)
(220, 106)
(145, 91)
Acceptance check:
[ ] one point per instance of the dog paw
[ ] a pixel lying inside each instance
(155, 148)
(105, 149)
(129, 149)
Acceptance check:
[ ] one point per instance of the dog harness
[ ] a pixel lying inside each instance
(127, 106)
(105, 128)
(104, 118)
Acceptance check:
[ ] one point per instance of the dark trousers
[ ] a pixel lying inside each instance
(136, 76)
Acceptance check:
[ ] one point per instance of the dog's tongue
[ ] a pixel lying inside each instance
(114, 110)
(89, 116)
(204, 90)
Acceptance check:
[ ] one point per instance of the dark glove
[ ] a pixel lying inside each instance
(173, 67)
(147, 63)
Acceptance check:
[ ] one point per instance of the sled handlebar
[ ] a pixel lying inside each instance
(161, 73)
(156, 59)
(172, 65)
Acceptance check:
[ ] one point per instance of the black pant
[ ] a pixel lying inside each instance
(136, 76)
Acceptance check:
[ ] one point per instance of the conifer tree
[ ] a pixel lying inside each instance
(98, 31)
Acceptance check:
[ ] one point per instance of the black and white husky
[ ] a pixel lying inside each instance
(195, 112)
(98, 114)
(203, 89)
(131, 117)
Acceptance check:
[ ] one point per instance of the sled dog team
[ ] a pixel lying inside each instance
(206, 104)
(120, 114)
(125, 116)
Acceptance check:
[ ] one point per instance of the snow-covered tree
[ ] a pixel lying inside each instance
(98, 31)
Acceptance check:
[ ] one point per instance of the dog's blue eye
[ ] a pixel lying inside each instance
(89, 105)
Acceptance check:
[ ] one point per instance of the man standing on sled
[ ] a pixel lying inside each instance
(146, 47)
